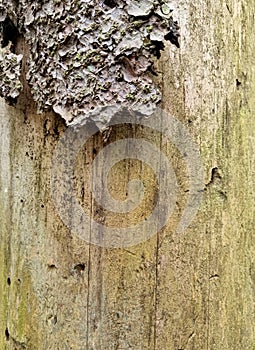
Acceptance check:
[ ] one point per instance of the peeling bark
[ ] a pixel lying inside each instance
(85, 55)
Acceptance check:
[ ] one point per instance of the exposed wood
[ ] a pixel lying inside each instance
(194, 290)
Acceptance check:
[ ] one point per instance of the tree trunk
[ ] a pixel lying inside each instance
(173, 291)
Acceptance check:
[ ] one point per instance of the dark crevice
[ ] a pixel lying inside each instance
(158, 46)
(9, 33)
(110, 3)
(7, 334)
(173, 35)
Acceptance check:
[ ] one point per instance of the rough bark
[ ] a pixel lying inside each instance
(194, 290)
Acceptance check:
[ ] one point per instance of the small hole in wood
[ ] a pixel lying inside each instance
(7, 334)
(79, 267)
(238, 83)
(52, 266)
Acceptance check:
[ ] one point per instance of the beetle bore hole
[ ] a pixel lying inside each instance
(7, 334)
(238, 83)
(52, 266)
(79, 267)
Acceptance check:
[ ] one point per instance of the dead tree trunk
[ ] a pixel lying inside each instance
(172, 291)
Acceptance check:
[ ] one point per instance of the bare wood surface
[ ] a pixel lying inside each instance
(193, 290)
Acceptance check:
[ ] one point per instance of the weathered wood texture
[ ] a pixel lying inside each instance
(194, 290)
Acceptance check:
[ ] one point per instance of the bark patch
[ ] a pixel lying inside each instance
(85, 55)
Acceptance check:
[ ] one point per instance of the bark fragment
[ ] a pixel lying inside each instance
(85, 55)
